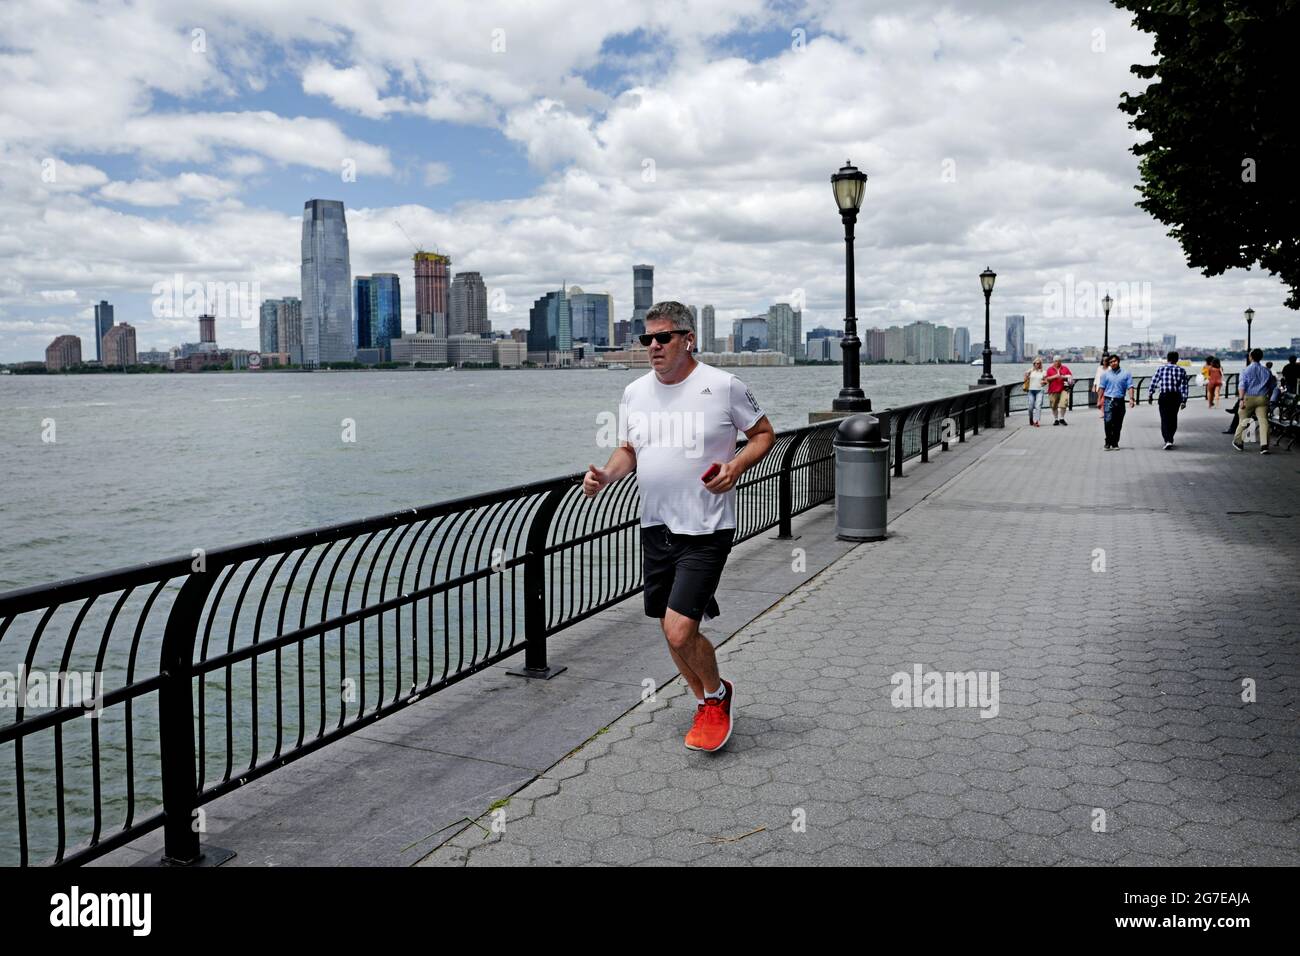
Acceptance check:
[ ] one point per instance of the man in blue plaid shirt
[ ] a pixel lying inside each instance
(1170, 381)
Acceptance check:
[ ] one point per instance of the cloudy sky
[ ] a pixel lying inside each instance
(549, 142)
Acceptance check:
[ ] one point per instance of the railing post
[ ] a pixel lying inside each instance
(898, 445)
(925, 433)
(785, 488)
(176, 749)
(535, 591)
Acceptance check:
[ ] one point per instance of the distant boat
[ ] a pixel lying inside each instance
(617, 367)
(449, 368)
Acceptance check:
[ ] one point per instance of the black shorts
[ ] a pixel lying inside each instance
(683, 570)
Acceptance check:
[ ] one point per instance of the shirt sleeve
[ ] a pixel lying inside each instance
(744, 408)
(625, 435)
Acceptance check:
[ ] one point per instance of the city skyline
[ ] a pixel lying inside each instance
(541, 168)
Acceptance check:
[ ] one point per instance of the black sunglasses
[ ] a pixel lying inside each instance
(663, 338)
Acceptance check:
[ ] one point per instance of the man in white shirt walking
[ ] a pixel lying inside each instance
(677, 422)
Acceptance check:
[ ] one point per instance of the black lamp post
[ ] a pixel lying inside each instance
(849, 184)
(1250, 317)
(987, 278)
(1105, 307)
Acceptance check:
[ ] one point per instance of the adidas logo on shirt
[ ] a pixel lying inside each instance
(706, 391)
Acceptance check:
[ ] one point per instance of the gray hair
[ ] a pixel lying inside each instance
(674, 312)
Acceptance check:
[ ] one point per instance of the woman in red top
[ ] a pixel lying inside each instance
(1215, 383)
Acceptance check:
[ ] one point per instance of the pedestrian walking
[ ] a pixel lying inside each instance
(1116, 389)
(1256, 386)
(1214, 383)
(1291, 374)
(1102, 369)
(1169, 385)
(681, 419)
(1060, 383)
(1035, 379)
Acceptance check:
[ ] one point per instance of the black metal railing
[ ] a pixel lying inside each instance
(218, 667)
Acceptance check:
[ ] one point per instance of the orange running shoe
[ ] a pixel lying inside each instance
(713, 722)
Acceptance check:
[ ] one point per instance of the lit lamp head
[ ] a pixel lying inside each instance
(849, 184)
(987, 278)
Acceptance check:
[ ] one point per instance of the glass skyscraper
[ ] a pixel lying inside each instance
(385, 310)
(1016, 337)
(589, 314)
(361, 312)
(643, 295)
(550, 327)
(326, 284)
(103, 322)
(268, 328)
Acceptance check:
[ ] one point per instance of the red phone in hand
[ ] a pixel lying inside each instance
(708, 475)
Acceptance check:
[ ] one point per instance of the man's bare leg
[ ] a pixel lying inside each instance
(692, 653)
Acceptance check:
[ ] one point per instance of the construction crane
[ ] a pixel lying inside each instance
(408, 236)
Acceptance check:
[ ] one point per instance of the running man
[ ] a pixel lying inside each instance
(681, 420)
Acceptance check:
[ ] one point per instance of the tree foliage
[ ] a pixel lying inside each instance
(1222, 153)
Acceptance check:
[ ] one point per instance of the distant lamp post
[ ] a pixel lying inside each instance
(987, 278)
(849, 184)
(1250, 317)
(1106, 303)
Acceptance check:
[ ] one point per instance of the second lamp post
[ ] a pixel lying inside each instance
(987, 278)
(1250, 317)
(849, 184)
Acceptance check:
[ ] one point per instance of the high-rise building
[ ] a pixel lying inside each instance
(1016, 338)
(961, 343)
(103, 322)
(326, 284)
(288, 326)
(874, 347)
(751, 334)
(208, 328)
(267, 334)
(119, 346)
(590, 314)
(385, 310)
(643, 296)
(1295, 345)
(468, 312)
(622, 331)
(550, 326)
(705, 333)
(784, 329)
(63, 352)
(432, 287)
(1169, 342)
(361, 312)
(895, 346)
(942, 350)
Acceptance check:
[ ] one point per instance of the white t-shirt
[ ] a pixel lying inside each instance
(678, 431)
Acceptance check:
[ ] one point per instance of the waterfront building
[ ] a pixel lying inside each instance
(468, 305)
(550, 327)
(119, 346)
(590, 314)
(508, 353)
(643, 296)
(152, 357)
(750, 334)
(385, 309)
(289, 329)
(103, 322)
(63, 352)
(326, 284)
(706, 331)
(1015, 338)
(432, 291)
(961, 344)
(419, 347)
(785, 329)
(267, 334)
(208, 328)
(361, 311)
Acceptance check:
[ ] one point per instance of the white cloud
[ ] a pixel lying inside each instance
(169, 192)
(436, 173)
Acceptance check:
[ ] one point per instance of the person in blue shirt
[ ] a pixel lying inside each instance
(1256, 387)
(1116, 387)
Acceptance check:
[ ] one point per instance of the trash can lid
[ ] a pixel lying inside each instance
(862, 431)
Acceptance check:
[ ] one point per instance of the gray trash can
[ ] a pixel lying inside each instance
(861, 479)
